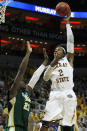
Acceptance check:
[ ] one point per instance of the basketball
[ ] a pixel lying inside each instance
(62, 9)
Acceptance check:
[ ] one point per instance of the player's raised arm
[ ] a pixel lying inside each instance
(70, 41)
(21, 71)
(38, 72)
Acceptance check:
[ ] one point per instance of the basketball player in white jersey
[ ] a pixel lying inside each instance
(62, 100)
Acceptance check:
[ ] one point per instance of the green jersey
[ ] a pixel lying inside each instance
(19, 108)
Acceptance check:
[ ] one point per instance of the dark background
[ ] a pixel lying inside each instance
(78, 5)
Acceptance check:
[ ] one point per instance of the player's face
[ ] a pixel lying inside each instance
(59, 52)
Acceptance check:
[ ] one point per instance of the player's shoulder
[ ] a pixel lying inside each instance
(69, 62)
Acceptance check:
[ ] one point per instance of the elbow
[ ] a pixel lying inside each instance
(45, 78)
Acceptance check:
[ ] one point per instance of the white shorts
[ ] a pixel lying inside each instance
(61, 104)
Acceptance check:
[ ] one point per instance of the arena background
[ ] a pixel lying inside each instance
(42, 30)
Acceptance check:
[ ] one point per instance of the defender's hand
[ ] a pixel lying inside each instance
(29, 49)
(45, 57)
(45, 54)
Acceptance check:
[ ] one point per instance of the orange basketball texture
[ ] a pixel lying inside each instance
(63, 9)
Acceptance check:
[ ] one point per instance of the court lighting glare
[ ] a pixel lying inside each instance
(31, 18)
(78, 48)
(5, 41)
(33, 45)
(72, 22)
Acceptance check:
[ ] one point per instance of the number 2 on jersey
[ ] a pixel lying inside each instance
(60, 72)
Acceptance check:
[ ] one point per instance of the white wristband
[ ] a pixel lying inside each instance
(36, 76)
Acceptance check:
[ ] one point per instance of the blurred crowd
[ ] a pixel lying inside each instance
(40, 95)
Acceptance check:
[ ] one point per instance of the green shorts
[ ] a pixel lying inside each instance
(15, 129)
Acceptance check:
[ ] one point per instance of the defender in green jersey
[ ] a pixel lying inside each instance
(19, 108)
(18, 97)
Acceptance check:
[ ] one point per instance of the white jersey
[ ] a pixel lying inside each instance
(62, 76)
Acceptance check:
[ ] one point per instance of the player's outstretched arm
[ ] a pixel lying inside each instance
(70, 41)
(21, 71)
(38, 72)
